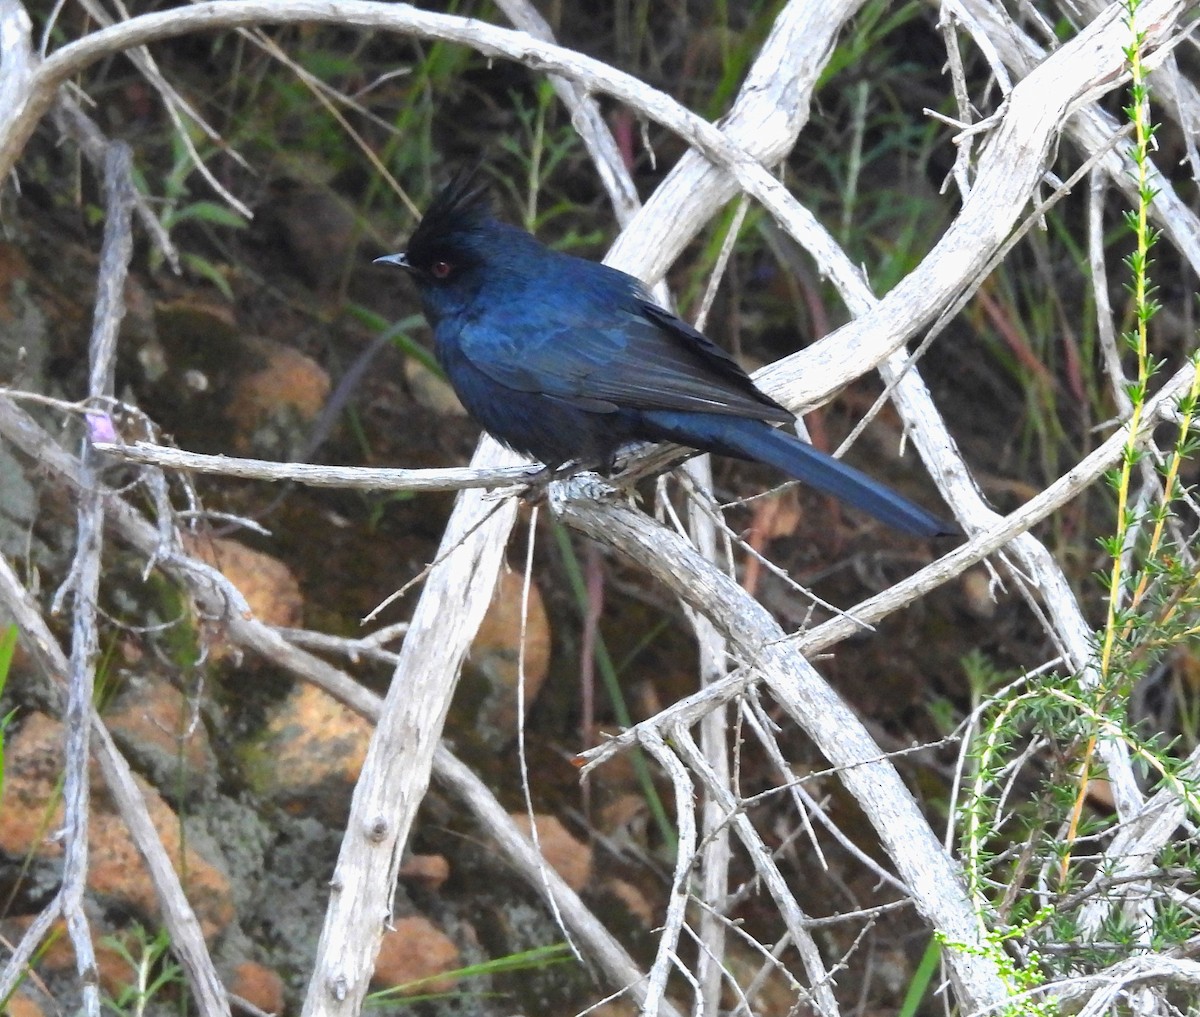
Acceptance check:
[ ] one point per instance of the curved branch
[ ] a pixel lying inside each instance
(1011, 163)
(937, 886)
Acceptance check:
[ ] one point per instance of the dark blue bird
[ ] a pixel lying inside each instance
(566, 360)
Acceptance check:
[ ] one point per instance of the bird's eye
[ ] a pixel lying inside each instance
(440, 269)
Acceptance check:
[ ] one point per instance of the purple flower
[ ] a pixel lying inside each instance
(100, 427)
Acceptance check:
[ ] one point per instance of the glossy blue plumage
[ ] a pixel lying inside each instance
(567, 360)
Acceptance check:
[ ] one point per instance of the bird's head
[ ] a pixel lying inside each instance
(452, 238)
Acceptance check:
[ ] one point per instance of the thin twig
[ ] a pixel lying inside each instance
(318, 475)
(219, 598)
(187, 939)
(84, 575)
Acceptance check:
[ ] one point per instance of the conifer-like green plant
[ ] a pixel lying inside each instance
(1031, 848)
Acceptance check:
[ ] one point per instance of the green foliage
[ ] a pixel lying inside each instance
(399, 334)
(738, 50)
(1031, 860)
(8, 646)
(153, 970)
(52, 937)
(874, 23)
(921, 980)
(176, 208)
(537, 959)
(539, 149)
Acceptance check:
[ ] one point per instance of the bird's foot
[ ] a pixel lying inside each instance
(584, 486)
(539, 483)
(586, 481)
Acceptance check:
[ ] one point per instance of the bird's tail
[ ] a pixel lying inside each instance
(759, 441)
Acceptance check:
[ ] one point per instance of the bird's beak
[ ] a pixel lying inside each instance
(395, 259)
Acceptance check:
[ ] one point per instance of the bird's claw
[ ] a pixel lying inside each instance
(534, 493)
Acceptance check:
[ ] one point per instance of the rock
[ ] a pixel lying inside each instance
(625, 816)
(312, 755)
(414, 950)
(259, 985)
(270, 589)
(197, 357)
(32, 809)
(565, 854)
(316, 225)
(271, 403)
(21, 1005)
(977, 597)
(494, 658)
(430, 390)
(57, 956)
(619, 1007)
(24, 355)
(158, 729)
(214, 387)
(430, 871)
(24, 341)
(633, 899)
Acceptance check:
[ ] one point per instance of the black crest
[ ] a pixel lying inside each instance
(461, 209)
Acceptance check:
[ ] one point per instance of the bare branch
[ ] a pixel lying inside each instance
(83, 580)
(921, 862)
(187, 939)
(396, 771)
(690, 710)
(221, 599)
(316, 475)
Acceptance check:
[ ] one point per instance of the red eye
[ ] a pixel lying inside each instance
(440, 269)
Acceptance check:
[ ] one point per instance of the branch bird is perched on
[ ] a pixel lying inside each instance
(567, 360)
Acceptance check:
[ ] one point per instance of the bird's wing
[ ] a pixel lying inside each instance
(638, 356)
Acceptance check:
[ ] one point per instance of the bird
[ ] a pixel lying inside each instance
(567, 360)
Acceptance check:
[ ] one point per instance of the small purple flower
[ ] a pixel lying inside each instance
(100, 427)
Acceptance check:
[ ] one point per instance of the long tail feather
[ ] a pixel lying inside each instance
(753, 439)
